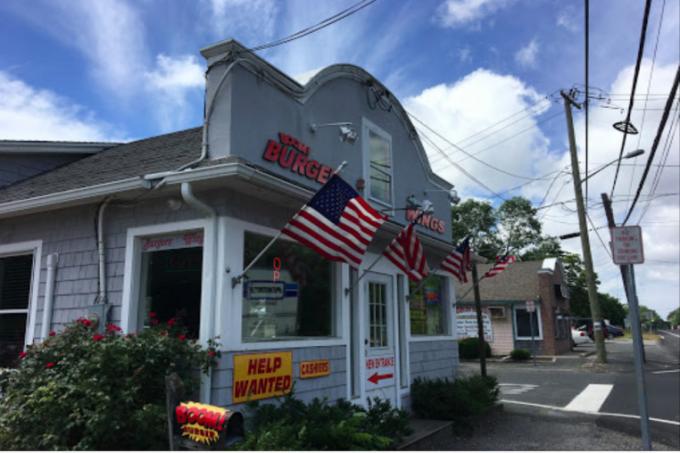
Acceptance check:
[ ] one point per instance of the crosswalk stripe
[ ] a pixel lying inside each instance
(590, 399)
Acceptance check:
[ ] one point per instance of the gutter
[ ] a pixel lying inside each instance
(52, 261)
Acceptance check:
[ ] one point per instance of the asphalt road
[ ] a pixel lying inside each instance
(605, 394)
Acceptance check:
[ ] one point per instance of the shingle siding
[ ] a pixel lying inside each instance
(433, 359)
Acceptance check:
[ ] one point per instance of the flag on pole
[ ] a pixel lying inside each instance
(406, 252)
(337, 223)
(458, 261)
(502, 262)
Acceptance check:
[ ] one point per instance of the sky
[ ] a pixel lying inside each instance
(483, 74)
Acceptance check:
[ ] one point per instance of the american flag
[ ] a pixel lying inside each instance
(406, 252)
(458, 261)
(502, 262)
(337, 223)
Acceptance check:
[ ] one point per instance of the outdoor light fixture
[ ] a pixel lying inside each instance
(427, 207)
(453, 196)
(347, 132)
(412, 202)
(626, 127)
(629, 155)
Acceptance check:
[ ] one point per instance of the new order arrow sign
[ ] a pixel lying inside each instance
(375, 377)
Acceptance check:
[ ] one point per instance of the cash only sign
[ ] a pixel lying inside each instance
(259, 376)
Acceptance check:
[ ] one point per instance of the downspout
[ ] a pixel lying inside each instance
(101, 252)
(191, 200)
(52, 261)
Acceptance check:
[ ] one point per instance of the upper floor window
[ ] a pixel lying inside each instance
(379, 154)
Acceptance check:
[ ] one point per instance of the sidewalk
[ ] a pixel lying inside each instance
(503, 430)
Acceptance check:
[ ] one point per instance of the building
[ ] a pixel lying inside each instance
(507, 324)
(164, 224)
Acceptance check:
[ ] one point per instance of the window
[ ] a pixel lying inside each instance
(379, 166)
(523, 325)
(171, 275)
(15, 289)
(287, 294)
(427, 307)
(377, 312)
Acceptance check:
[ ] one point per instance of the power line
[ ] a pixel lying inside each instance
(604, 246)
(641, 48)
(314, 28)
(657, 139)
(493, 167)
(461, 169)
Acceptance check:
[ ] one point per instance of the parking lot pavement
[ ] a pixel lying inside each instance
(606, 391)
(505, 430)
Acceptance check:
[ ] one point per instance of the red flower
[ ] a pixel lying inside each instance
(22, 355)
(50, 364)
(182, 337)
(171, 322)
(85, 322)
(211, 353)
(154, 322)
(52, 333)
(112, 328)
(97, 337)
(152, 314)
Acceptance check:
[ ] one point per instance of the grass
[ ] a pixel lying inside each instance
(646, 336)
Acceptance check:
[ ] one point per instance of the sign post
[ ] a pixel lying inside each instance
(531, 309)
(627, 250)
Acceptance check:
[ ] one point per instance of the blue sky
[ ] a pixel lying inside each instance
(121, 70)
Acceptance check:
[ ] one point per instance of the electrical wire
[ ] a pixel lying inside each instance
(314, 28)
(641, 48)
(657, 139)
(606, 249)
(493, 167)
(461, 169)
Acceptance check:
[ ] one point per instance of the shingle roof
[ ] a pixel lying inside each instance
(518, 282)
(151, 155)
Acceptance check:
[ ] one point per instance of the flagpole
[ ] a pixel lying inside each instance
(237, 279)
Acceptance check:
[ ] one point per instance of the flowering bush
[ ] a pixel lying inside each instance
(84, 390)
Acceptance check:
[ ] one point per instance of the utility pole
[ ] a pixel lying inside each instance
(585, 241)
(628, 276)
(480, 325)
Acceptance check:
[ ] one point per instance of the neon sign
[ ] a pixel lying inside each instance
(293, 155)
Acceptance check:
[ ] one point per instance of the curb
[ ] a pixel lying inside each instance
(410, 442)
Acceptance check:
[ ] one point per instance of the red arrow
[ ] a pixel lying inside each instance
(375, 378)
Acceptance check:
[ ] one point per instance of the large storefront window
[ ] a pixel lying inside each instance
(427, 307)
(287, 294)
(172, 270)
(15, 288)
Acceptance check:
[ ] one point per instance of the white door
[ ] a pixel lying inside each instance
(380, 358)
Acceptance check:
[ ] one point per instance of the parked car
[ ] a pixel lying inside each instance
(579, 336)
(613, 330)
(588, 323)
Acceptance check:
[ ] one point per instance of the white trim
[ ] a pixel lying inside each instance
(25, 248)
(537, 314)
(234, 261)
(46, 147)
(131, 280)
(366, 127)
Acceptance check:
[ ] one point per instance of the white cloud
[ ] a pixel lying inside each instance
(464, 54)
(457, 13)
(471, 104)
(27, 113)
(243, 19)
(526, 56)
(566, 20)
(170, 84)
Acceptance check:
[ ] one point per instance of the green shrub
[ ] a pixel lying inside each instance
(442, 399)
(88, 391)
(294, 425)
(520, 354)
(468, 348)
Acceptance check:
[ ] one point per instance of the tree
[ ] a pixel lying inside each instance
(476, 219)
(518, 223)
(674, 317)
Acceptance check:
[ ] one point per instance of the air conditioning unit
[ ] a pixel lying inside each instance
(497, 312)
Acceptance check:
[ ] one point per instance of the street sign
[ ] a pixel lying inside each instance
(627, 245)
(531, 306)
